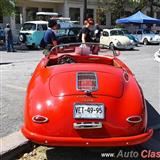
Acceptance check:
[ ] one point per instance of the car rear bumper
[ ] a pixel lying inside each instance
(86, 142)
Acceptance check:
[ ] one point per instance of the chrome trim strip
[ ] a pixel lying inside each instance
(87, 125)
(128, 119)
(44, 121)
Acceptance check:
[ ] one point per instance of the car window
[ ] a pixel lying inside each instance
(120, 33)
(139, 32)
(42, 27)
(116, 32)
(112, 33)
(45, 27)
(148, 31)
(105, 33)
(75, 31)
(29, 27)
(39, 27)
(61, 32)
(125, 32)
(71, 33)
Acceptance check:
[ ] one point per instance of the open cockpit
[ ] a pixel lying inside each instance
(82, 53)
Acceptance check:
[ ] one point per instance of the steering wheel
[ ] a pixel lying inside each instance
(65, 59)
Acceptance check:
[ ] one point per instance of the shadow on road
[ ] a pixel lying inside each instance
(6, 63)
(19, 47)
(80, 153)
(153, 122)
(153, 116)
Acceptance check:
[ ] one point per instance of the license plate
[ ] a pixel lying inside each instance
(89, 111)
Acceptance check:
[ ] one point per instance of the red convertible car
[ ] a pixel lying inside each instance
(83, 95)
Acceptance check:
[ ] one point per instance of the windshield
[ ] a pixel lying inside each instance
(70, 32)
(116, 33)
(83, 49)
(148, 31)
(62, 32)
(29, 27)
(125, 32)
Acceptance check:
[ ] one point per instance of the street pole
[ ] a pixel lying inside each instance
(85, 10)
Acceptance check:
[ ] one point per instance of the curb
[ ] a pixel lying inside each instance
(14, 145)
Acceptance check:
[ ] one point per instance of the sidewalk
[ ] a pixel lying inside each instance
(14, 145)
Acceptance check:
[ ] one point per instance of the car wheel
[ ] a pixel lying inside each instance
(22, 38)
(145, 41)
(111, 45)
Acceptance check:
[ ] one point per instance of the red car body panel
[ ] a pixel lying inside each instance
(52, 93)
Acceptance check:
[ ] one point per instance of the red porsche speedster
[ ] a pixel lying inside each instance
(81, 95)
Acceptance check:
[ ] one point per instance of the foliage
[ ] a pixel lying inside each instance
(118, 8)
(7, 7)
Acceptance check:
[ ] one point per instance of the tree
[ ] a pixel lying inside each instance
(118, 7)
(7, 7)
(115, 7)
(142, 4)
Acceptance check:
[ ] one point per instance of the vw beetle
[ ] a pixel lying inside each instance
(115, 38)
(83, 95)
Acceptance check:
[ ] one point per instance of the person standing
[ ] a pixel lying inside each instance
(97, 32)
(50, 38)
(9, 39)
(85, 34)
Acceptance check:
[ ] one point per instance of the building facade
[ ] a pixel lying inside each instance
(26, 11)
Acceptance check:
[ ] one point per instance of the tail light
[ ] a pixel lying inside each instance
(39, 119)
(134, 119)
(87, 81)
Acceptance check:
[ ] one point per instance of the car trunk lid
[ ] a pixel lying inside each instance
(107, 82)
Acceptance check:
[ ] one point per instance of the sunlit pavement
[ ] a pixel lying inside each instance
(16, 69)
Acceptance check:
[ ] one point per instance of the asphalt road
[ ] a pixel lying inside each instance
(17, 68)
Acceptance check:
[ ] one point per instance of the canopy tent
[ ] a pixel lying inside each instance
(139, 18)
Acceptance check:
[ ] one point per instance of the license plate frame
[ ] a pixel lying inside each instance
(96, 107)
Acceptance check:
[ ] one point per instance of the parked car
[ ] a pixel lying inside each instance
(116, 39)
(77, 97)
(157, 56)
(32, 32)
(129, 35)
(68, 35)
(147, 36)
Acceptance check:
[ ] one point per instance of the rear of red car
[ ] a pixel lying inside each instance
(85, 105)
